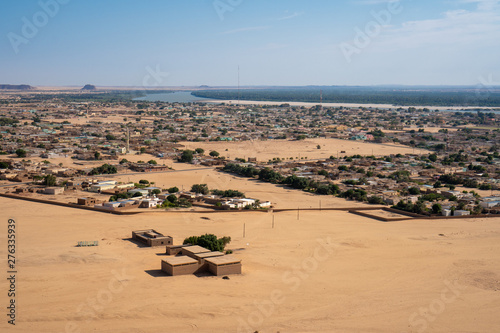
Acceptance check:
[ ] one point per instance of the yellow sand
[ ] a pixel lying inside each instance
(265, 150)
(369, 277)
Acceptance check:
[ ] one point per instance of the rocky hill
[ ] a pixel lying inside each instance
(15, 87)
(89, 87)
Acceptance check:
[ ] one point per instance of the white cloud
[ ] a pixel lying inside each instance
(235, 31)
(289, 17)
(455, 27)
(375, 2)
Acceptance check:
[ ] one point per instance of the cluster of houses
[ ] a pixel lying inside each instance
(224, 203)
(49, 130)
(189, 259)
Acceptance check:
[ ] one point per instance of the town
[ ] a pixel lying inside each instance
(59, 146)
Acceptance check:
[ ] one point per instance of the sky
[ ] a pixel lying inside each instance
(153, 43)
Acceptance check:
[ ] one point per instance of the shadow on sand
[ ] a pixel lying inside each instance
(131, 240)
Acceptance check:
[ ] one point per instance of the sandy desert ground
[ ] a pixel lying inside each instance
(265, 150)
(323, 272)
(314, 272)
(327, 271)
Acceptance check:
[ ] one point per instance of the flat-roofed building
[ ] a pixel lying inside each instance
(193, 251)
(181, 265)
(101, 187)
(206, 255)
(173, 250)
(151, 237)
(54, 190)
(224, 265)
(86, 201)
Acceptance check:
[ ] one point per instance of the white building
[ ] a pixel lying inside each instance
(461, 213)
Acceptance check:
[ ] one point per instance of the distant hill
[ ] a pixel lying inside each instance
(15, 87)
(89, 87)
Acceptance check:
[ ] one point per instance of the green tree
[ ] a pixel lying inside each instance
(437, 208)
(209, 241)
(200, 188)
(199, 151)
(414, 191)
(172, 198)
(375, 200)
(49, 180)
(187, 156)
(173, 189)
(21, 152)
(214, 153)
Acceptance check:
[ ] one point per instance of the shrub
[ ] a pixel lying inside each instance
(104, 169)
(187, 156)
(21, 152)
(172, 198)
(374, 200)
(173, 189)
(200, 188)
(209, 241)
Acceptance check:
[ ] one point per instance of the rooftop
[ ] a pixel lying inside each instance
(196, 249)
(209, 254)
(181, 260)
(224, 260)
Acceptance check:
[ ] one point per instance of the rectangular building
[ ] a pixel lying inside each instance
(179, 265)
(224, 265)
(151, 237)
(193, 251)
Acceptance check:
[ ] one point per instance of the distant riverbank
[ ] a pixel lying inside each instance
(173, 97)
(187, 97)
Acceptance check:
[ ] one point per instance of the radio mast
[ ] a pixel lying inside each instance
(238, 84)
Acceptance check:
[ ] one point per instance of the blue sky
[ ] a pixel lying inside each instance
(293, 42)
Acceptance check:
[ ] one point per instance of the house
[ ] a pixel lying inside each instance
(151, 237)
(224, 265)
(182, 265)
(54, 190)
(111, 204)
(461, 213)
(125, 186)
(86, 201)
(102, 186)
(142, 192)
(150, 203)
(196, 259)
(238, 203)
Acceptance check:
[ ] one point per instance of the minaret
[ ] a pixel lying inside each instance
(128, 140)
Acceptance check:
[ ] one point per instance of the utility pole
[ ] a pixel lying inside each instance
(244, 229)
